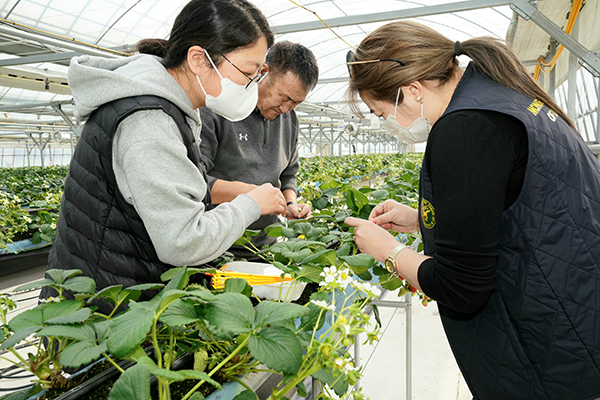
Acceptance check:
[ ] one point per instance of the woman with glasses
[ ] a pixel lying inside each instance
(135, 201)
(509, 211)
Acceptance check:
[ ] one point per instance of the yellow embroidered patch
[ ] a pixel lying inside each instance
(427, 214)
(535, 107)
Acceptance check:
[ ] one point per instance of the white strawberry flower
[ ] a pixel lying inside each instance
(323, 304)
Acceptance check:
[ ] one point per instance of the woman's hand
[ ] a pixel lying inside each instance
(372, 239)
(394, 216)
(269, 199)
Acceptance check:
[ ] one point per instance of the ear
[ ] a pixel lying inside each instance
(196, 60)
(265, 68)
(413, 90)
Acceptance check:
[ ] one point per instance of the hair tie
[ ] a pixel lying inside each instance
(457, 51)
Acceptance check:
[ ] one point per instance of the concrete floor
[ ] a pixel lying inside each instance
(435, 375)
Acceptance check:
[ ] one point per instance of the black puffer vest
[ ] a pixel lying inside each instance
(538, 336)
(98, 231)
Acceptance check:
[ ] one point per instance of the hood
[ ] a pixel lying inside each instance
(95, 81)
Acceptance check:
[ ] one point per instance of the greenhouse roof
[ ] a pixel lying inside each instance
(38, 37)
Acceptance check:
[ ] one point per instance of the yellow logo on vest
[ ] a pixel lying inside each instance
(535, 107)
(427, 214)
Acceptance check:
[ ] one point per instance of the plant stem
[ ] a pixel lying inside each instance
(23, 364)
(292, 383)
(110, 360)
(218, 367)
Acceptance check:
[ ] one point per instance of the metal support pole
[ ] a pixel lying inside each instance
(597, 133)
(552, 83)
(406, 304)
(408, 300)
(572, 86)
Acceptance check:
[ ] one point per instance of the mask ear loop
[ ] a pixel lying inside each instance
(214, 66)
(397, 97)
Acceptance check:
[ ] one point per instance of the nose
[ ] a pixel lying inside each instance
(284, 108)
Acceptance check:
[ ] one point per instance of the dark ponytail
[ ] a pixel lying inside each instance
(429, 55)
(220, 26)
(155, 47)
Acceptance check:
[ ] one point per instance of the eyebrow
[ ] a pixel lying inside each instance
(289, 98)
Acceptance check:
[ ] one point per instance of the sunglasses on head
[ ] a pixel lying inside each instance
(350, 62)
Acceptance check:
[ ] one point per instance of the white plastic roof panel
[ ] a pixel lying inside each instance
(114, 23)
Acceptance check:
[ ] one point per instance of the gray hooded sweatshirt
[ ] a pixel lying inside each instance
(150, 160)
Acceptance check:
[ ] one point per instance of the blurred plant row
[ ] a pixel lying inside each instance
(30, 196)
(29, 203)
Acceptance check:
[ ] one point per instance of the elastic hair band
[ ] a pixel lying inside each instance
(457, 51)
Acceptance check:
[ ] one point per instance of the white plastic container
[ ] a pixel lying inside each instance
(270, 291)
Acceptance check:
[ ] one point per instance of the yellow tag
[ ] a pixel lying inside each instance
(427, 214)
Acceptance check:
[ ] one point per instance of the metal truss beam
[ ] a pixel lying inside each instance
(390, 15)
(587, 58)
(56, 42)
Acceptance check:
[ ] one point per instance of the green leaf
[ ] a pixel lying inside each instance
(160, 372)
(278, 348)
(102, 329)
(18, 336)
(21, 394)
(35, 285)
(130, 328)
(339, 386)
(111, 293)
(231, 312)
(62, 309)
(310, 272)
(246, 395)
(380, 194)
(344, 249)
(271, 312)
(172, 295)
(26, 319)
(288, 232)
(80, 284)
(364, 275)
(238, 285)
(301, 389)
(392, 284)
(359, 260)
(308, 322)
(325, 256)
(147, 286)
(178, 282)
(81, 353)
(191, 374)
(297, 256)
(83, 333)
(320, 203)
(61, 275)
(133, 384)
(197, 396)
(179, 313)
(285, 268)
(77, 317)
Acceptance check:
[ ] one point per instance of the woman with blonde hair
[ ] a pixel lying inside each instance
(509, 211)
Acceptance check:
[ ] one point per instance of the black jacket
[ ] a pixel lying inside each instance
(538, 336)
(98, 231)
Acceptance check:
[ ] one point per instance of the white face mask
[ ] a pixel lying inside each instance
(235, 102)
(417, 132)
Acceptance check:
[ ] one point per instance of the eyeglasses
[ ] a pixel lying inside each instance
(253, 81)
(350, 61)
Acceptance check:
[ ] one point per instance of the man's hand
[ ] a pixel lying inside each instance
(297, 211)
